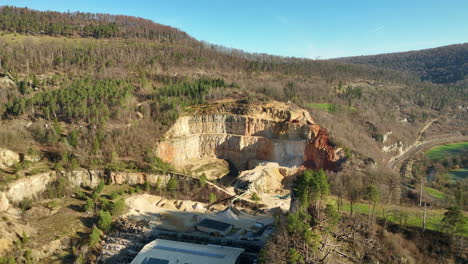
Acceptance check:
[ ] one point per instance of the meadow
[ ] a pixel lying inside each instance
(399, 214)
(441, 152)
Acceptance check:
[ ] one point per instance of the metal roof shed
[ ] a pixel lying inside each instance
(161, 251)
(213, 226)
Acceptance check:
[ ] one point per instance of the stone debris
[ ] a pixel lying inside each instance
(122, 245)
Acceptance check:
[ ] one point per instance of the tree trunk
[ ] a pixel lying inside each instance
(339, 201)
(424, 218)
(420, 192)
(370, 215)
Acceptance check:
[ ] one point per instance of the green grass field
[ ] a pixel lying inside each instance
(443, 151)
(458, 174)
(404, 215)
(331, 108)
(435, 193)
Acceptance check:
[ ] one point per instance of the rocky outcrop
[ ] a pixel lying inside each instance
(29, 187)
(241, 132)
(265, 177)
(84, 178)
(8, 158)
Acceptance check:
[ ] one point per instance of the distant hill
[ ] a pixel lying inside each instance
(24, 20)
(448, 64)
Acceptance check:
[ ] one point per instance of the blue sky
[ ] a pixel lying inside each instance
(310, 29)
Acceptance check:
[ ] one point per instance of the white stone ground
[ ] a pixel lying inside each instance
(182, 215)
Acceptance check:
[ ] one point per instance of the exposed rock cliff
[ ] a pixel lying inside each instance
(83, 177)
(29, 187)
(32, 186)
(8, 158)
(242, 132)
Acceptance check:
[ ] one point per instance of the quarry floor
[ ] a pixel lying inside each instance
(183, 215)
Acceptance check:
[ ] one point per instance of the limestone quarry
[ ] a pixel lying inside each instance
(278, 135)
(257, 147)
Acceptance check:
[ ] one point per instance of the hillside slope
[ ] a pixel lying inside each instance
(156, 78)
(448, 64)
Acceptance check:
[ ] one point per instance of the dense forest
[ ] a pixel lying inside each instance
(442, 65)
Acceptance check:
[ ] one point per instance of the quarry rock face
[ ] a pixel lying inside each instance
(242, 132)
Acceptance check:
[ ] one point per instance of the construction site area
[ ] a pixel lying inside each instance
(154, 218)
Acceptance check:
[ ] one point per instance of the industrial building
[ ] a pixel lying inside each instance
(214, 227)
(161, 251)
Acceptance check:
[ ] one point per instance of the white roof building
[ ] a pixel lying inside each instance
(161, 251)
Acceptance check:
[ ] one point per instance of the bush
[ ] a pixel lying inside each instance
(59, 188)
(295, 257)
(114, 195)
(73, 138)
(212, 197)
(79, 193)
(454, 221)
(52, 204)
(118, 207)
(24, 239)
(26, 204)
(105, 204)
(7, 260)
(89, 207)
(172, 185)
(95, 236)
(147, 186)
(255, 197)
(105, 221)
(100, 187)
(132, 190)
(203, 179)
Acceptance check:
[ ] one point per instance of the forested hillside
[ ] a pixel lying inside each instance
(442, 65)
(96, 92)
(64, 76)
(23, 20)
